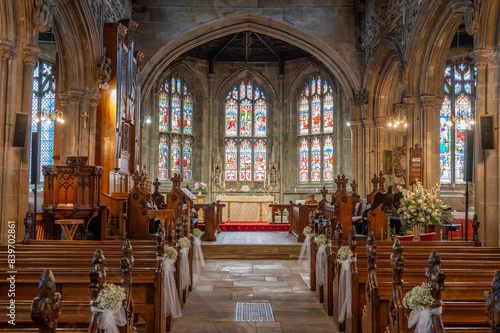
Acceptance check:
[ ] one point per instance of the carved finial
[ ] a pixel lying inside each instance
(339, 235)
(136, 177)
(328, 228)
(324, 192)
(126, 263)
(381, 182)
(176, 180)
(170, 233)
(475, 230)
(46, 308)
(344, 181)
(98, 274)
(338, 182)
(185, 226)
(371, 250)
(354, 187)
(178, 230)
(352, 239)
(493, 303)
(160, 239)
(28, 225)
(435, 278)
(157, 185)
(397, 262)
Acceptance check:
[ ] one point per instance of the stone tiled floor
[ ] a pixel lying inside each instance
(211, 306)
(254, 238)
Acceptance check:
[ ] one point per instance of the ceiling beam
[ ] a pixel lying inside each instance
(268, 44)
(219, 49)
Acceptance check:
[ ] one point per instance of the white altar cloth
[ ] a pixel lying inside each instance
(246, 208)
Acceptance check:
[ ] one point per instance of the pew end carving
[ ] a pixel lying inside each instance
(493, 303)
(46, 308)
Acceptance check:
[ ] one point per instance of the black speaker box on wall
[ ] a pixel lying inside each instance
(469, 154)
(20, 130)
(487, 132)
(35, 158)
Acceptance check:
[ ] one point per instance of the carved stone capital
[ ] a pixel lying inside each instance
(75, 96)
(361, 97)
(281, 77)
(210, 76)
(481, 56)
(427, 101)
(380, 121)
(42, 16)
(409, 103)
(63, 98)
(30, 54)
(93, 99)
(6, 48)
(355, 124)
(368, 123)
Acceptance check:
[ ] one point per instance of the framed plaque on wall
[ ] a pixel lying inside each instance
(416, 164)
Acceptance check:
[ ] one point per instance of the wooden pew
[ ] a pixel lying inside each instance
(46, 308)
(344, 202)
(138, 218)
(299, 219)
(211, 219)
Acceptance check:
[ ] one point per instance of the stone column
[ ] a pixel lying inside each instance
(360, 154)
(278, 132)
(210, 130)
(381, 143)
(429, 113)
(485, 165)
(356, 147)
(91, 124)
(71, 144)
(409, 103)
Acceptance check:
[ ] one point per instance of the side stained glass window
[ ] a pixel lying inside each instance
(43, 99)
(175, 113)
(316, 114)
(245, 132)
(456, 115)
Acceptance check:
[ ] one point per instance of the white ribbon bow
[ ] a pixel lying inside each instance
(345, 290)
(321, 265)
(171, 304)
(110, 319)
(185, 276)
(198, 259)
(421, 317)
(306, 248)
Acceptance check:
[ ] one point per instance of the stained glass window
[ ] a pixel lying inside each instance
(316, 114)
(458, 105)
(175, 111)
(245, 131)
(43, 100)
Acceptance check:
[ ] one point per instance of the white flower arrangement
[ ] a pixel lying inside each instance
(111, 296)
(199, 186)
(170, 252)
(184, 242)
(307, 230)
(321, 240)
(421, 207)
(419, 296)
(344, 253)
(197, 233)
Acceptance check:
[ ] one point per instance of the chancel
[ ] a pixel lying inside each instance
(249, 166)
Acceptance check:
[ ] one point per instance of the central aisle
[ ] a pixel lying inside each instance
(223, 283)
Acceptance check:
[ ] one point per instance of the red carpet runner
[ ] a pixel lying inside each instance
(249, 226)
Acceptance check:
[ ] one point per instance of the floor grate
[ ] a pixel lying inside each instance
(254, 312)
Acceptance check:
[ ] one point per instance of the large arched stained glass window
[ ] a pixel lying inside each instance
(43, 100)
(316, 131)
(245, 133)
(175, 146)
(456, 115)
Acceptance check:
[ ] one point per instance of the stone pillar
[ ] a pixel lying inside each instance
(429, 113)
(278, 132)
(74, 122)
(486, 162)
(409, 103)
(360, 154)
(210, 130)
(91, 124)
(381, 143)
(356, 147)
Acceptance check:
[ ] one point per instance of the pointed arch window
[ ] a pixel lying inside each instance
(175, 146)
(315, 140)
(245, 133)
(44, 99)
(458, 105)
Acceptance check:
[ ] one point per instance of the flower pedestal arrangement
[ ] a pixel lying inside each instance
(200, 187)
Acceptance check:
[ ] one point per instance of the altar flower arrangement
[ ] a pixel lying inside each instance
(420, 207)
(199, 186)
(111, 296)
(321, 240)
(185, 243)
(307, 230)
(197, 233)
(344, 253)
(170, 252)
(420, 300)
(109, 304)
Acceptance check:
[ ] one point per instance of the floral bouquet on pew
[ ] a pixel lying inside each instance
(199, 186)
(109, 303)
(321, 260)
(185, 245)
(420, 300)
(420, 207)
(198, 260)
(345, 257)
(306, 245)
(171, 300)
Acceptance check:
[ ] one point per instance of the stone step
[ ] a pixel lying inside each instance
(230, 251)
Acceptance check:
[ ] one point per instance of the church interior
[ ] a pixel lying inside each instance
(250, 166)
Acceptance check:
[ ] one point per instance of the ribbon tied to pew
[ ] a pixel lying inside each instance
(171, 304)
(345, 289)
(110, 319)
(185, 277)
(198, 259)
(321, 264)
(306, 249)
(420, 317)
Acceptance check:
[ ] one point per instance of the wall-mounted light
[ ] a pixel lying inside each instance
(400, 116)
(461, 121)
(348, 124)
(45, 115)
(147, 119)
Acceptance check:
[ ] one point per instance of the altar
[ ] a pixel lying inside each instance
(246, 208)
